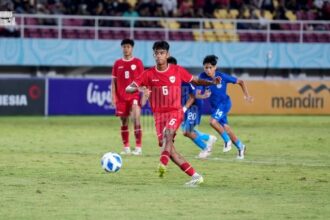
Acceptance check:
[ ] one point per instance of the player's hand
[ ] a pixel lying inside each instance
(217, 80)
(146, 92)
(207, 94)
(248, 98)
(113, 102)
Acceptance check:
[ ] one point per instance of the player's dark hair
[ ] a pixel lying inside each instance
(172, 60)
(212, 59)
(127, 41)
(161, 45)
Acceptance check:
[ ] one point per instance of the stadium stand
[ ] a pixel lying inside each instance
(219, 20)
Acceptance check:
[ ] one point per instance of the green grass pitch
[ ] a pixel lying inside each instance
(50, 169)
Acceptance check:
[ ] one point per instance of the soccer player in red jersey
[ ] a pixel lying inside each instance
(124, 71)
(164, 86)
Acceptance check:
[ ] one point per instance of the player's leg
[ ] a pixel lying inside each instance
(193, 118)
(222, 132)
(124, 131)
(136, 117)
(188, 131)
(239, 145)
(185, 166)
(203, 136)
(123, 112)
(160, 123)
(216, 118)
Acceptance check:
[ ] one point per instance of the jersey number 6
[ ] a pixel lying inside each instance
(165, 90)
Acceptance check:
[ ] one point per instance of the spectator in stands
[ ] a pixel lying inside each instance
(291, 5)
(42, 10)
(209, 7)
(263, 20)
(58, 8)
(186, 10)
(267, 5)
(98, 10)
(131, 12)
(223, 3)
(279, 14)
(198, 4)
(236, 4)
(82, 9)
(244, 14)
(169, 7)
(326, 10)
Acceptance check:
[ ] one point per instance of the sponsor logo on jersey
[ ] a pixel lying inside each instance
(120, 67)
(172, 79)
(155, 80)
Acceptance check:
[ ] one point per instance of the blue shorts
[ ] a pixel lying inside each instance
(220, 113)
(191, 119)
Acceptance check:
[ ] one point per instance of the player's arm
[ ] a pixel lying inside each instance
(247, 97)
(202, 82)
(145, 95)
(137, 84)
(205, 95)
(189, 102)
(131, 88)
(113, 91)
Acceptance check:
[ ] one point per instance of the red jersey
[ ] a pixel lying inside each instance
(165, 87)
(125, 71)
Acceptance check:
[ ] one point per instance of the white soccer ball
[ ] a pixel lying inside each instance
(111, 162)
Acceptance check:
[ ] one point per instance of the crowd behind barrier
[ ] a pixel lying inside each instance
(185, 20)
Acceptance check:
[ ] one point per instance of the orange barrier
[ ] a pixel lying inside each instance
(280, 97)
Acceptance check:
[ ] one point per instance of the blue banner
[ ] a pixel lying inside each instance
(79, 97)
(54, 52)
(86, 97)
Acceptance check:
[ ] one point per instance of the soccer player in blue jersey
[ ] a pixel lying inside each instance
(192, 107)
(221, 103)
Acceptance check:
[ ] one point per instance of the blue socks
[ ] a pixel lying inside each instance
(225, 137)
(204, 137)
(239, 144)
(199, 142)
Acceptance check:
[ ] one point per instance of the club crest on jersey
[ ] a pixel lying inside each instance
(133, 66)
(219, 85)
(172, 79)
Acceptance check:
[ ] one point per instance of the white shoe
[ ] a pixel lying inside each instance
(126, 151)
(195, 181)
(227, 146)
(241, 152)
(210, 142)
(137, 151)
(208, 150)
(204, 154)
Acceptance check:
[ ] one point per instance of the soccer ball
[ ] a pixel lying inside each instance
(111, 162)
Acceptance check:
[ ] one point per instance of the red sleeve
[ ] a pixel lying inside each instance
(140, 66)
(114, 68)
(142, 79)
(185, 75)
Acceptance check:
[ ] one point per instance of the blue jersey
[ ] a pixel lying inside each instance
(187, 90)
(193, 115)
(218, 92)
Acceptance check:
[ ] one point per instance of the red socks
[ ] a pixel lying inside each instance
(164, 157)
(185, 167)
(125, 135)
(138, 135)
